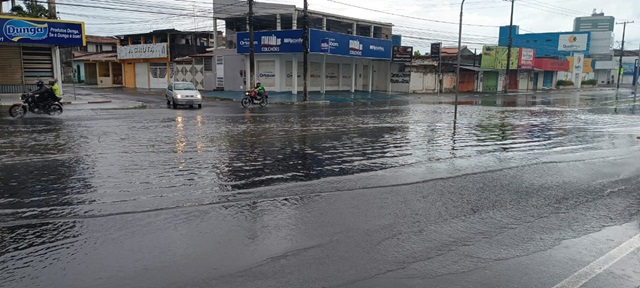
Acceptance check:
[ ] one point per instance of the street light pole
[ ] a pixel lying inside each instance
(455, 112)
(624, 30)
(252, 64)
(506, 89)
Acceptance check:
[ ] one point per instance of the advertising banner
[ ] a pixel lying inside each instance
(552, 65)
(271, 42)
(587, 64)
(435, 50)
(402, 54)
(143, 51)
(488, 57)
(267, 73)
(526, 59)
(42, 31)
(349, 45)
(573, 42)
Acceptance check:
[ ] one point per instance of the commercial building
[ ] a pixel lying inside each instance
(345, 53)
(601, 48)
(147, 57)
(30, 50)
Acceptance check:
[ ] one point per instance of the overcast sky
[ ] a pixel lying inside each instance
(418, 31)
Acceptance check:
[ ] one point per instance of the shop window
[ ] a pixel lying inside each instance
(103, 70)
(198, 61)
(208, 64)
(158, 70)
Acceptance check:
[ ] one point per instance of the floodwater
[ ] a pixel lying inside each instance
(59, 173)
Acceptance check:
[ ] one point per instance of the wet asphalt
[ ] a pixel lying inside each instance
(519, 191)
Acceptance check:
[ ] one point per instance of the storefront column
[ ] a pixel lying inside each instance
(294, 20)
(324, 73)
(278, 22)
(111, 74)
(294, 75)
(353, 75)
(324, 23)
(355, 28)
(247, 72)
(372, 30)
(340, 77)
(57, 66)
(370, 76)
(389, 75)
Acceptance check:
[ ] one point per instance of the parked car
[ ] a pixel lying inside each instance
(183, 93)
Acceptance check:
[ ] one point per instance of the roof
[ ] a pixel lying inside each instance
(101, 40)
(203, 55)
(451, 51)
(98, 57)
(633, 53)
(234, 9)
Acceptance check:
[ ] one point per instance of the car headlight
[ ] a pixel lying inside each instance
(246, 93)
(178, 96)
(198, 95)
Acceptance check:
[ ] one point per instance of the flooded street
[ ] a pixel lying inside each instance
(362, 194)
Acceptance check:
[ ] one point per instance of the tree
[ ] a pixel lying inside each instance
(31, 9)
(416, 53)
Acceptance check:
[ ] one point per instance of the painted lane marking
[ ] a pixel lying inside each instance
(596, 267)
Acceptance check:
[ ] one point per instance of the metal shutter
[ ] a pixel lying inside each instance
(10, 65)
(37, 64)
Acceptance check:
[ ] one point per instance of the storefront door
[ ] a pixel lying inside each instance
(547, 81)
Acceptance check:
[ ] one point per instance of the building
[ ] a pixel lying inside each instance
(345, 53)
(74, 69)
(100, 69)
(147, 57)
(595, 22)
(629, 60)
(601, 48)
(559, 46)
(30, 50)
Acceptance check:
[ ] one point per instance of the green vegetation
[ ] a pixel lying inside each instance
(561, 83)
(31, 9)
(592, 82)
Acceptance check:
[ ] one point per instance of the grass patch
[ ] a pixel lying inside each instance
(139, 107)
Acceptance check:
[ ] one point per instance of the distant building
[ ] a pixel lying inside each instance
(601, 49)
(593, 23)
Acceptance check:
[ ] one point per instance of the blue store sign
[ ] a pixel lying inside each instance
(349, 45)
(284, 41)
(41, 31)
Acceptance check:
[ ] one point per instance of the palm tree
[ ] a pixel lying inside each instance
(31, 9)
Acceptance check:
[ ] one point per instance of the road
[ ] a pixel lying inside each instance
(521, 191)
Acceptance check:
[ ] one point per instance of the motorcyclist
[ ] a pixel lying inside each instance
(53, 83)
(259, 89)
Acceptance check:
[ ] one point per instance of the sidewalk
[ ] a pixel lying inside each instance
(79, 101)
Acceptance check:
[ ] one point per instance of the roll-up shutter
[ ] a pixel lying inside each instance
(37, 64)
(10, 65)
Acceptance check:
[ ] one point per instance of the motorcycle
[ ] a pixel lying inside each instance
(30, 104)
(251, 97)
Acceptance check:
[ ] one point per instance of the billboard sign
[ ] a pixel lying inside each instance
(402, 54)
(526, 59)
(552, 64)
(143, 51)
(435, 50)
(271, 42)
(586, 66)
(41, 31)
(495, 57)
(350, 45)
(573, 42)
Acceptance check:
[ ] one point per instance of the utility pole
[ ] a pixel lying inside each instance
(506, 89)
(635, 83)
(52, 9)
(624, 30)
(305, 43)
(252, 58)
(455, 112)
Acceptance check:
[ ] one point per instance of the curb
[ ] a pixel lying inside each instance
(86, 102)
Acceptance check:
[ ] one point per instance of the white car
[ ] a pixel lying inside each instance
(183, 93)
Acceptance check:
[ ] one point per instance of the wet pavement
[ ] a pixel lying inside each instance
(521, 191)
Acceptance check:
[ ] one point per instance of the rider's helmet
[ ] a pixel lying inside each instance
(39, 83)
(258, 84)
(52, 81)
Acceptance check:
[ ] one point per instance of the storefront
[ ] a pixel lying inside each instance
(146, 66)
(29, 50)
(336, 61)
(548, 69)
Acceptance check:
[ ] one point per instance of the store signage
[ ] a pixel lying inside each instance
(552, 65)
(284, 41)
(402, 54)
(41, 31)
(526, 59)
(573, 42)
(435, 50)
(143, 51)
(350, 45)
